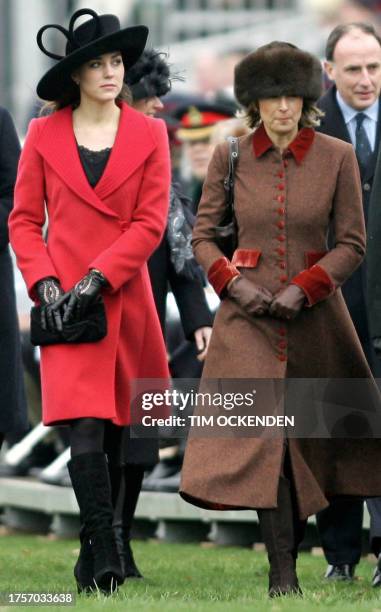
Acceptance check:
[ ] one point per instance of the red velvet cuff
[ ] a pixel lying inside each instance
(246, 258)
(220, 273)
(315, 283)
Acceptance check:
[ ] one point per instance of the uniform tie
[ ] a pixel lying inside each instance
(363, 148)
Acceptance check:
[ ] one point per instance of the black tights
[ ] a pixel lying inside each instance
(90, 435)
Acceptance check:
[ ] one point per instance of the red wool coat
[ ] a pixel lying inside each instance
(114, 227)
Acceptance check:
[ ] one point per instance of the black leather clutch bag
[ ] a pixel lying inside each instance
(90, 329)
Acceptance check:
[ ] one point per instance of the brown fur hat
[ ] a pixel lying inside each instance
(277, 69)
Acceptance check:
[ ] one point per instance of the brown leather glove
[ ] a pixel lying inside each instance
(253, 299)
(288, 303)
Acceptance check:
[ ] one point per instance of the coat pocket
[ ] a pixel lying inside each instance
(312, 257)
(246, 258)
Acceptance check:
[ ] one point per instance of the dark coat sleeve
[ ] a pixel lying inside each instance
(9, 156)
(191, 302)
(373, 254)
(189, 294)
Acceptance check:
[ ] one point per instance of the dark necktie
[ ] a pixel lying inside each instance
(363, 148)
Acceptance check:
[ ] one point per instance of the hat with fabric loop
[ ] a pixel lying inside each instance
(98, 35)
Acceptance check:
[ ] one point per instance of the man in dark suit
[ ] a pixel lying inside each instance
(353, 113)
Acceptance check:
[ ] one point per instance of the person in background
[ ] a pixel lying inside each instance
(352, 113)
(101, 170)
(173, 262)
(13, 408)
(197, 122)
(172, 265)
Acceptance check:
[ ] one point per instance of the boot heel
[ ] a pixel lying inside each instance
(108, 579)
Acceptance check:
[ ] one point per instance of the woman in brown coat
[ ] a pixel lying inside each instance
(282, 314)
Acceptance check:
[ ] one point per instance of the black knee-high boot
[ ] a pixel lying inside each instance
(91, 484)
(278, 532)
(84, 568)
(131, 486)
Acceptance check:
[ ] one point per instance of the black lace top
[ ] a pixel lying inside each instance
(94, 163)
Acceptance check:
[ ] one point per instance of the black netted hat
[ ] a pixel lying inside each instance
(149, 76)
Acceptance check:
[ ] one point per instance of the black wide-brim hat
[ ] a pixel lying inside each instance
(98, 35)
(275, 70)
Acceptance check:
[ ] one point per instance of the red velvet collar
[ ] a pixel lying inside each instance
(298, 147)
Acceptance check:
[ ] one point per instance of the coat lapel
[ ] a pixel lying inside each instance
(58, 147)
(332, 123)
(369, 170)
(133, 143)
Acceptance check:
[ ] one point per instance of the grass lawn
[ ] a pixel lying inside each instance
(180, 578)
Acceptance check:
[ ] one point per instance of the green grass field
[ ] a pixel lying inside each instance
(180, 578)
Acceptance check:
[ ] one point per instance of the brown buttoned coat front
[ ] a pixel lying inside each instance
(284, 207)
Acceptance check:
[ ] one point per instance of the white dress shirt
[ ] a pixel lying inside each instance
(370, 121)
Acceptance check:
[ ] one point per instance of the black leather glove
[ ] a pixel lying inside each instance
(49, 291)
(377, 346)
(253, 299)
(84, 293)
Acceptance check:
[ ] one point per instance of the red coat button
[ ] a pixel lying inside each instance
(281, 224)
(281, 187)
(281, 238)
(281, 174)
(282, 265)
(282, 344)
(281, 251)
(282, 357)
(281, 211)
(283, 278)
(282, 331)
(281, 199)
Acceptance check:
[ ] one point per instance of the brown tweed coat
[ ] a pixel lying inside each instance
(284, 205)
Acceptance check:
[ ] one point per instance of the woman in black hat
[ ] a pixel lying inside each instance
(149, 80)
(102, 170)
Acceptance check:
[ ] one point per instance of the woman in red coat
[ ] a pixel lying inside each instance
(101, 170)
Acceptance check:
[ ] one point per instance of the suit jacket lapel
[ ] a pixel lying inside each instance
(369, 170)
(333, 122)
(133, 144)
